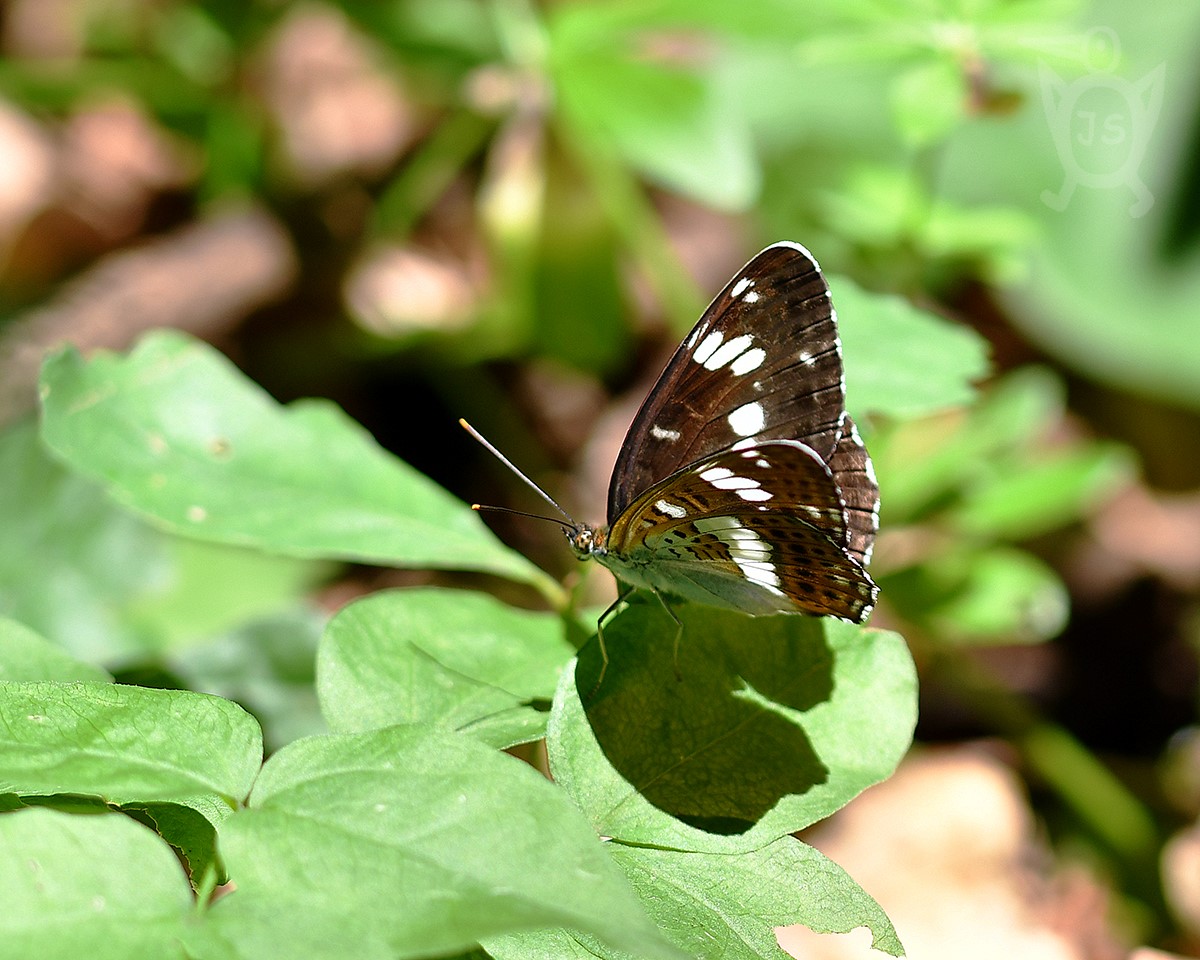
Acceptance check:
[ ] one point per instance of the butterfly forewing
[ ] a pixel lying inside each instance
(763, 363)
(761, 529)
(854, 476)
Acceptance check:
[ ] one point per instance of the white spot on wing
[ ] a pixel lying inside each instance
(707, 346)
(755, 494)
(747, 549)
(751, 297)
(735, 483)
(661, 433)
(748, 419)
(713, 474)
(741, 287)
(750, 360)
(728, 352)
(673, 510)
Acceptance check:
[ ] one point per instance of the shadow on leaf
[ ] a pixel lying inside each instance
(718, 743)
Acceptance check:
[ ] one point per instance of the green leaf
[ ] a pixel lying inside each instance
(454, 841)
(104, 584)
(460, 660)
(925, 464)
(929, 100)
(267, 666)
(550, 944)
(891, 212)
(726, 908)
(216, 587)
(125, 744)
(1028, 498)
(767, 19)
(660, 117)
(774, 723)
(73, 561)
(994, 595)
(902, 361)
(98, 886)
(191, 833)
(176, 433)
(26, 656)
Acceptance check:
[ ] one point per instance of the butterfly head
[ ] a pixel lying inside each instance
(588, 541)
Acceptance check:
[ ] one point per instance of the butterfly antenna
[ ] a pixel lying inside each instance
(521, 513)
(570, 521)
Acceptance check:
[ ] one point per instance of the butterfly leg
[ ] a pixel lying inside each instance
(678, 634)
(623, 592)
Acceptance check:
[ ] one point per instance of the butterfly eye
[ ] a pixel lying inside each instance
(583, 541)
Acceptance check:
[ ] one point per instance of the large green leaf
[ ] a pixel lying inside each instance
(453, 658)
(718, 907)
(88, 886)
(902, 361)
(772, 724)
(123, 743)
(411, 842)
(175, 432)
(216, 587)
(730, 905)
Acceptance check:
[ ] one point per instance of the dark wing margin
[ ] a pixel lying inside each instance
(764, 362)
(855, 477)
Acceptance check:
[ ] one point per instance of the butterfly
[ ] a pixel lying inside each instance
(742, 482)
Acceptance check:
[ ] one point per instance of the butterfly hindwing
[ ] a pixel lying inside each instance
(761, 529)
(763, 363)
